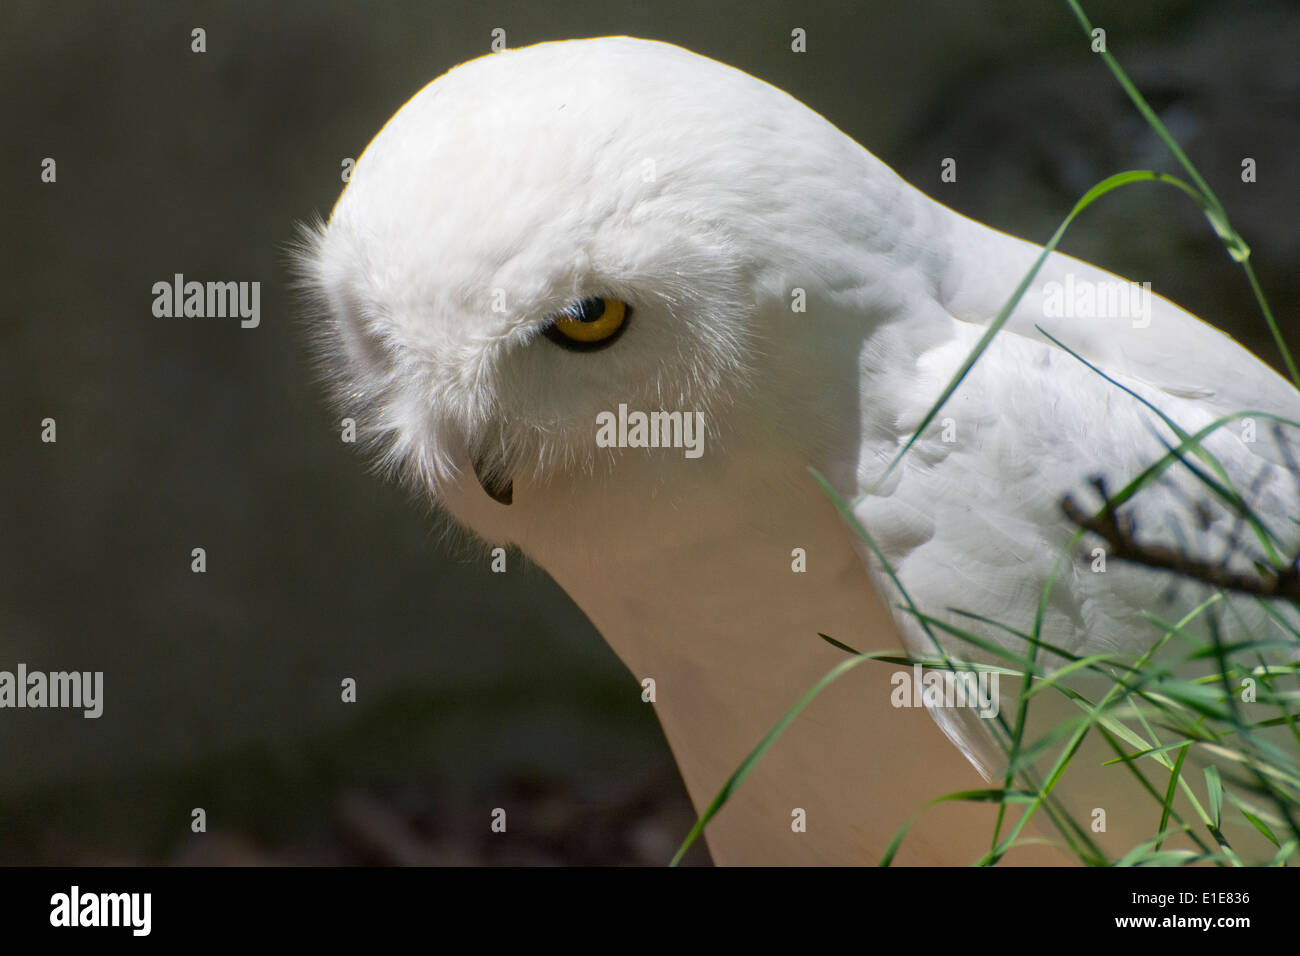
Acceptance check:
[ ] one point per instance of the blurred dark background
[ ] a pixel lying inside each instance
(475, 690)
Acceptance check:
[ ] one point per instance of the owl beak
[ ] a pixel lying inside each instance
(498, 487)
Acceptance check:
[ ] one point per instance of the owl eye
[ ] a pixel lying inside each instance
(588, 324)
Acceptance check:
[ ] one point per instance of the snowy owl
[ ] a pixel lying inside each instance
(611, 302)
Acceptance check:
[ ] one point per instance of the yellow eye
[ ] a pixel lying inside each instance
(588, 324)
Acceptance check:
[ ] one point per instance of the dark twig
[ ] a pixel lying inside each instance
(1119, 533)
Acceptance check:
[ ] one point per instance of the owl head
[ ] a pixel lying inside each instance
(544, 234)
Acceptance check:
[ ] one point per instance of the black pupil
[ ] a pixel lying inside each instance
(589, 310)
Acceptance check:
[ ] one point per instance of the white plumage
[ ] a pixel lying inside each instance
(523, 182)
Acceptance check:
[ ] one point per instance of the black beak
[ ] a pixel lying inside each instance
(498, 488)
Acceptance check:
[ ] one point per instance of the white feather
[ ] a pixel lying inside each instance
(521, 182)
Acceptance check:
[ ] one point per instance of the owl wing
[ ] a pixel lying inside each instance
(971, 520)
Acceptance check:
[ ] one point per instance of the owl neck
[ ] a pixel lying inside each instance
(715, 591)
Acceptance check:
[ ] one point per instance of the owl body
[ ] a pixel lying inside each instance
(809, 306)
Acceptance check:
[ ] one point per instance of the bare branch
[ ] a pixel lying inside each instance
(1117, 532)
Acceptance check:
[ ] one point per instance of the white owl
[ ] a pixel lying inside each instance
(548, 240)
